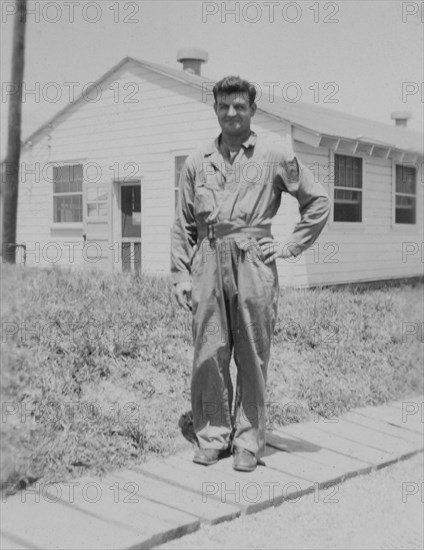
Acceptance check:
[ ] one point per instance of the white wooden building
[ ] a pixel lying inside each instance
(98, 181)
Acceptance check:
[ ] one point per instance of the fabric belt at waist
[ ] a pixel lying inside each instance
(225, 230)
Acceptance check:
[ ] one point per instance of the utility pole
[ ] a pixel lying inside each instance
(10, 202)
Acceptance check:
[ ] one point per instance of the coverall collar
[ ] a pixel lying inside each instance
(213, 147)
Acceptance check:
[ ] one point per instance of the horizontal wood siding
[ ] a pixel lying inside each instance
(372, 250)
(136, 137)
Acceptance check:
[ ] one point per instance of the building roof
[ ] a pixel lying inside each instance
(311, 123)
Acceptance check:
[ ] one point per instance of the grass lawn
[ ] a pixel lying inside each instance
(96, 368)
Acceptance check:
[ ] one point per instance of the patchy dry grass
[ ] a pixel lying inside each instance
(96, 368)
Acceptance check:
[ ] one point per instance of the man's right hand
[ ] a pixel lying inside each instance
(182, 293)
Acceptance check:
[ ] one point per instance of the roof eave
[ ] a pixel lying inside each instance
(299, 132)
(367, 147)
(47, 125)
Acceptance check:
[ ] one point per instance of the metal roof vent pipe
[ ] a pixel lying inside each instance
(192, 59)
(401, 118)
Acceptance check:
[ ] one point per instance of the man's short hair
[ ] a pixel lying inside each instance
(234, 85)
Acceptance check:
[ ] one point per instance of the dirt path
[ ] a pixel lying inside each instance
(381, 510)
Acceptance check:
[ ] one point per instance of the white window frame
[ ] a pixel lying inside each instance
(97, 218)
(403, 226)
(337, 225)
(65, 225)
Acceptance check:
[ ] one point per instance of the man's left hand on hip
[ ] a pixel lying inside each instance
(271, 249)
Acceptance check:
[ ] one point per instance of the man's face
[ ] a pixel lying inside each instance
(234, 113)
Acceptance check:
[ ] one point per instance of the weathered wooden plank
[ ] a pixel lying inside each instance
(382, 426)
(208, 511)
(393, 416)
(299, 466)
(313, 454)
(15, 543)
(413, 405)
(343, 446)
(252, 491)
(90, 514)
(371, 438)
(201, 480)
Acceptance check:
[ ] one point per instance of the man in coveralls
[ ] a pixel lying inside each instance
(223, 268)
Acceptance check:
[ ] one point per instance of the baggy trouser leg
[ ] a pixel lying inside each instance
(257, 310)
(211, 389)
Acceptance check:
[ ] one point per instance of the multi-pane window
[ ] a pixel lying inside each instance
(97, 201)
(406, 194)
(179, 163)
(347, 189)
(67, 193)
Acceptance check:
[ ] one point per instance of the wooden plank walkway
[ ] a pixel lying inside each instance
(168, 498)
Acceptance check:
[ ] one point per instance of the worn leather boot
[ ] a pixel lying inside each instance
(206, 456)
(244, 460)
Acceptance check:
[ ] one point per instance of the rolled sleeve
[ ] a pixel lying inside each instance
(314, 206)
(184, 231)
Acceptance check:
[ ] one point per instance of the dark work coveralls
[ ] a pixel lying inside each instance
(234, 293)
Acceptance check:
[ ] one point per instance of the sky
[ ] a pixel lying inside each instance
(364, 57)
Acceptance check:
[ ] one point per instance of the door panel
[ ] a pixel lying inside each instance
(131, 227)
(97, 221)
(131, 210)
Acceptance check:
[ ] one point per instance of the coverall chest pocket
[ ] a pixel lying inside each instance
(205, 192)
(249, 197)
